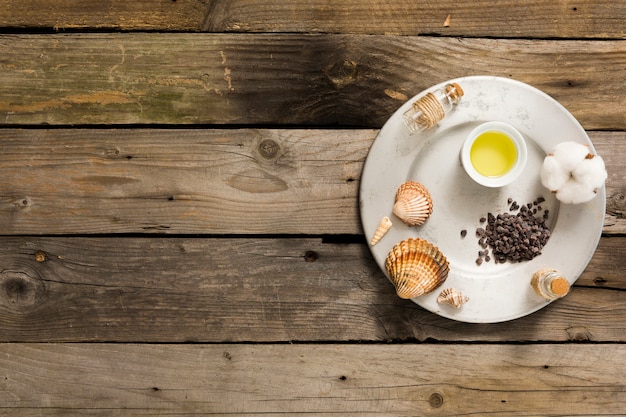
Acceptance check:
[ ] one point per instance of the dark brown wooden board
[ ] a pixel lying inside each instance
(503, 18)
(284, 79)
(312, 380)
(259, 290)
(243, 181)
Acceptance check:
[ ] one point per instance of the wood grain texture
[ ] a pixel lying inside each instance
(198, 181)
(283, 79)
(312, 380)
(259, 290)
(505, 18)
(508, 19)
(181, 181)
(165, 251)
(161, 15)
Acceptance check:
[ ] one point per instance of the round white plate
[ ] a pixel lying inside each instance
(497, 292)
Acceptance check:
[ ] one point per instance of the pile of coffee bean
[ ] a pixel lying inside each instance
(517, 236)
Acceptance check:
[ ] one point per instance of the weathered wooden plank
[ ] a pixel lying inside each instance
(312, 380)
(244, 181)
(283, 79)
(258, 290)
(175, 15)
(477, 18)
(181, 181)
(504, 18)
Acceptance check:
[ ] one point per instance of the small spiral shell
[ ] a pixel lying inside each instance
(383, 228)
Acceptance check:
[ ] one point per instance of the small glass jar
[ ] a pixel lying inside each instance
(550, 284)
(432, 107)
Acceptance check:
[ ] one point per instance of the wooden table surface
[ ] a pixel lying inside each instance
(179, 220)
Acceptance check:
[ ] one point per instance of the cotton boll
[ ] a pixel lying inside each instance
(553, 176)
(574, 192)
(591, 172)
(570, 154)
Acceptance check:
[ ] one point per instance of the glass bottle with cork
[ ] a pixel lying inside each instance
(432, 107)
(550, 284)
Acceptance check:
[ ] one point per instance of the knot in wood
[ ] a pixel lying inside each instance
(435, 400)
(579, 334)
(19, 290)
(342, 73)
(24, 204)
(268, 148)
(40, 256)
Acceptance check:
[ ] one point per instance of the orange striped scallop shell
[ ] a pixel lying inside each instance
(416, 267)
(413, 204)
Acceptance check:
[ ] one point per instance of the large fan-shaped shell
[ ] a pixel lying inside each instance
(453, 297)
(416, 267)
(413, 203)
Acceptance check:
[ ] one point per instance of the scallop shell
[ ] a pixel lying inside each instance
(453, 297)
(416, 267)
(413, 203)
(383, 228)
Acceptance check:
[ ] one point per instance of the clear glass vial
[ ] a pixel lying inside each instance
(432, 107)
(550, 284)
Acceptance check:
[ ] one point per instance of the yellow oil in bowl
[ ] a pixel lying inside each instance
(493, 154)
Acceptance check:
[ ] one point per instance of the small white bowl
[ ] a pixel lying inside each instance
(520, 147)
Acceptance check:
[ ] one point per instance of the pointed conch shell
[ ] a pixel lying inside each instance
(413, 203)
(383, 227)
(416, 267)
(453, 297)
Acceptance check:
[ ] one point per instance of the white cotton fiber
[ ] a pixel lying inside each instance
(553, 176)
(591, 172)
(573, 192)
(570, 154)
(573, 173)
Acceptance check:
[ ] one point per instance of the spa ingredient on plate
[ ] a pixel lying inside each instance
(573, 173)
(515, 236)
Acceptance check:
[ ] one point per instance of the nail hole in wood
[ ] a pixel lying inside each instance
(600, 281)
(310, 256)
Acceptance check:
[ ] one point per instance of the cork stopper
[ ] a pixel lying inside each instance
(559, 286)
(454, 91)
(550, 284)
